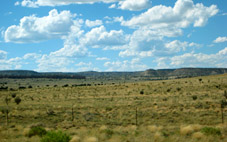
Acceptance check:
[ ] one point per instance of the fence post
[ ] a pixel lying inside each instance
(136, 116)
(72, 113)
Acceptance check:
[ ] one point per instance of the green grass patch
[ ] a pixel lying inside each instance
(211, 131)
(55, 136)
(37, 131)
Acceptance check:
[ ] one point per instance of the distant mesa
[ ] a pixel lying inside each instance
(149, 74)
(33, 74)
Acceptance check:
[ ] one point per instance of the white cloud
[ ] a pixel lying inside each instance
(161, 22)
(93, 23)
(113, 6)
(3, 55)
(133, 65)
(148, 43)
(82, 66)
(28, 3)
(223, 53)
(184, 13)
(17, 3)
(195, 60)
(71, 51)
(134, 5)
(102, 58)
(62, 59)
(8, 64)
(52, 63)
(35, 29)
(118, 19)
(143, 43)
(37, 3)
(220, 39)
(177, 46)
(31, 56)
(99, 37)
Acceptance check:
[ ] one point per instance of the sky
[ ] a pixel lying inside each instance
(112, 35)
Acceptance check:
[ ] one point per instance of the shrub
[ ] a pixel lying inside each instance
(17, 100)
(53, 136)
(13, 95)
(141, 92)
(211, 131)
(194, 97)
(109, 133)
(37, 130)
(178, 89)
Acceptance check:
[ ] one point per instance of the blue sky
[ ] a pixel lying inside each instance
(112, 35)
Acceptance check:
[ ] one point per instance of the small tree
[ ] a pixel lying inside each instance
(17, 100)
(13, 95)
(141, 92)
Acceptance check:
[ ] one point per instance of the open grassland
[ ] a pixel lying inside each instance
(168, 111)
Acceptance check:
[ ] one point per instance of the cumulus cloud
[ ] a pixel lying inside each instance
(133, 65)
(134, 5)
(17, 3)
(13, 63)
(3, 55)
(195, 60)
(184, 13)
(113, 6)
(161, 22)
(145, 44)
(220, 39)
(102, 58)
(83, 66)
(99, 37)
(36, 29)
(93, 23)
(52, 63)
(37, 3)
(31, 56)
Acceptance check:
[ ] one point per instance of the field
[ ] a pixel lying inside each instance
(116, 111)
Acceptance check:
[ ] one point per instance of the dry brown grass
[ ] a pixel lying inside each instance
(198, 135)
(108, 112)
(91, 139)
(187, 130)
(75, 139)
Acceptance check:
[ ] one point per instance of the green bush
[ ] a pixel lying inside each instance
(17, 100)
(13, 95)
(194, 97)
(53, 136)
(211, 131)
(141, 92)
(109, 133)
(37, 130)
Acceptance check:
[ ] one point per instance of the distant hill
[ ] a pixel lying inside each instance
(184, 72)
(33, 74)
(150, 74)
